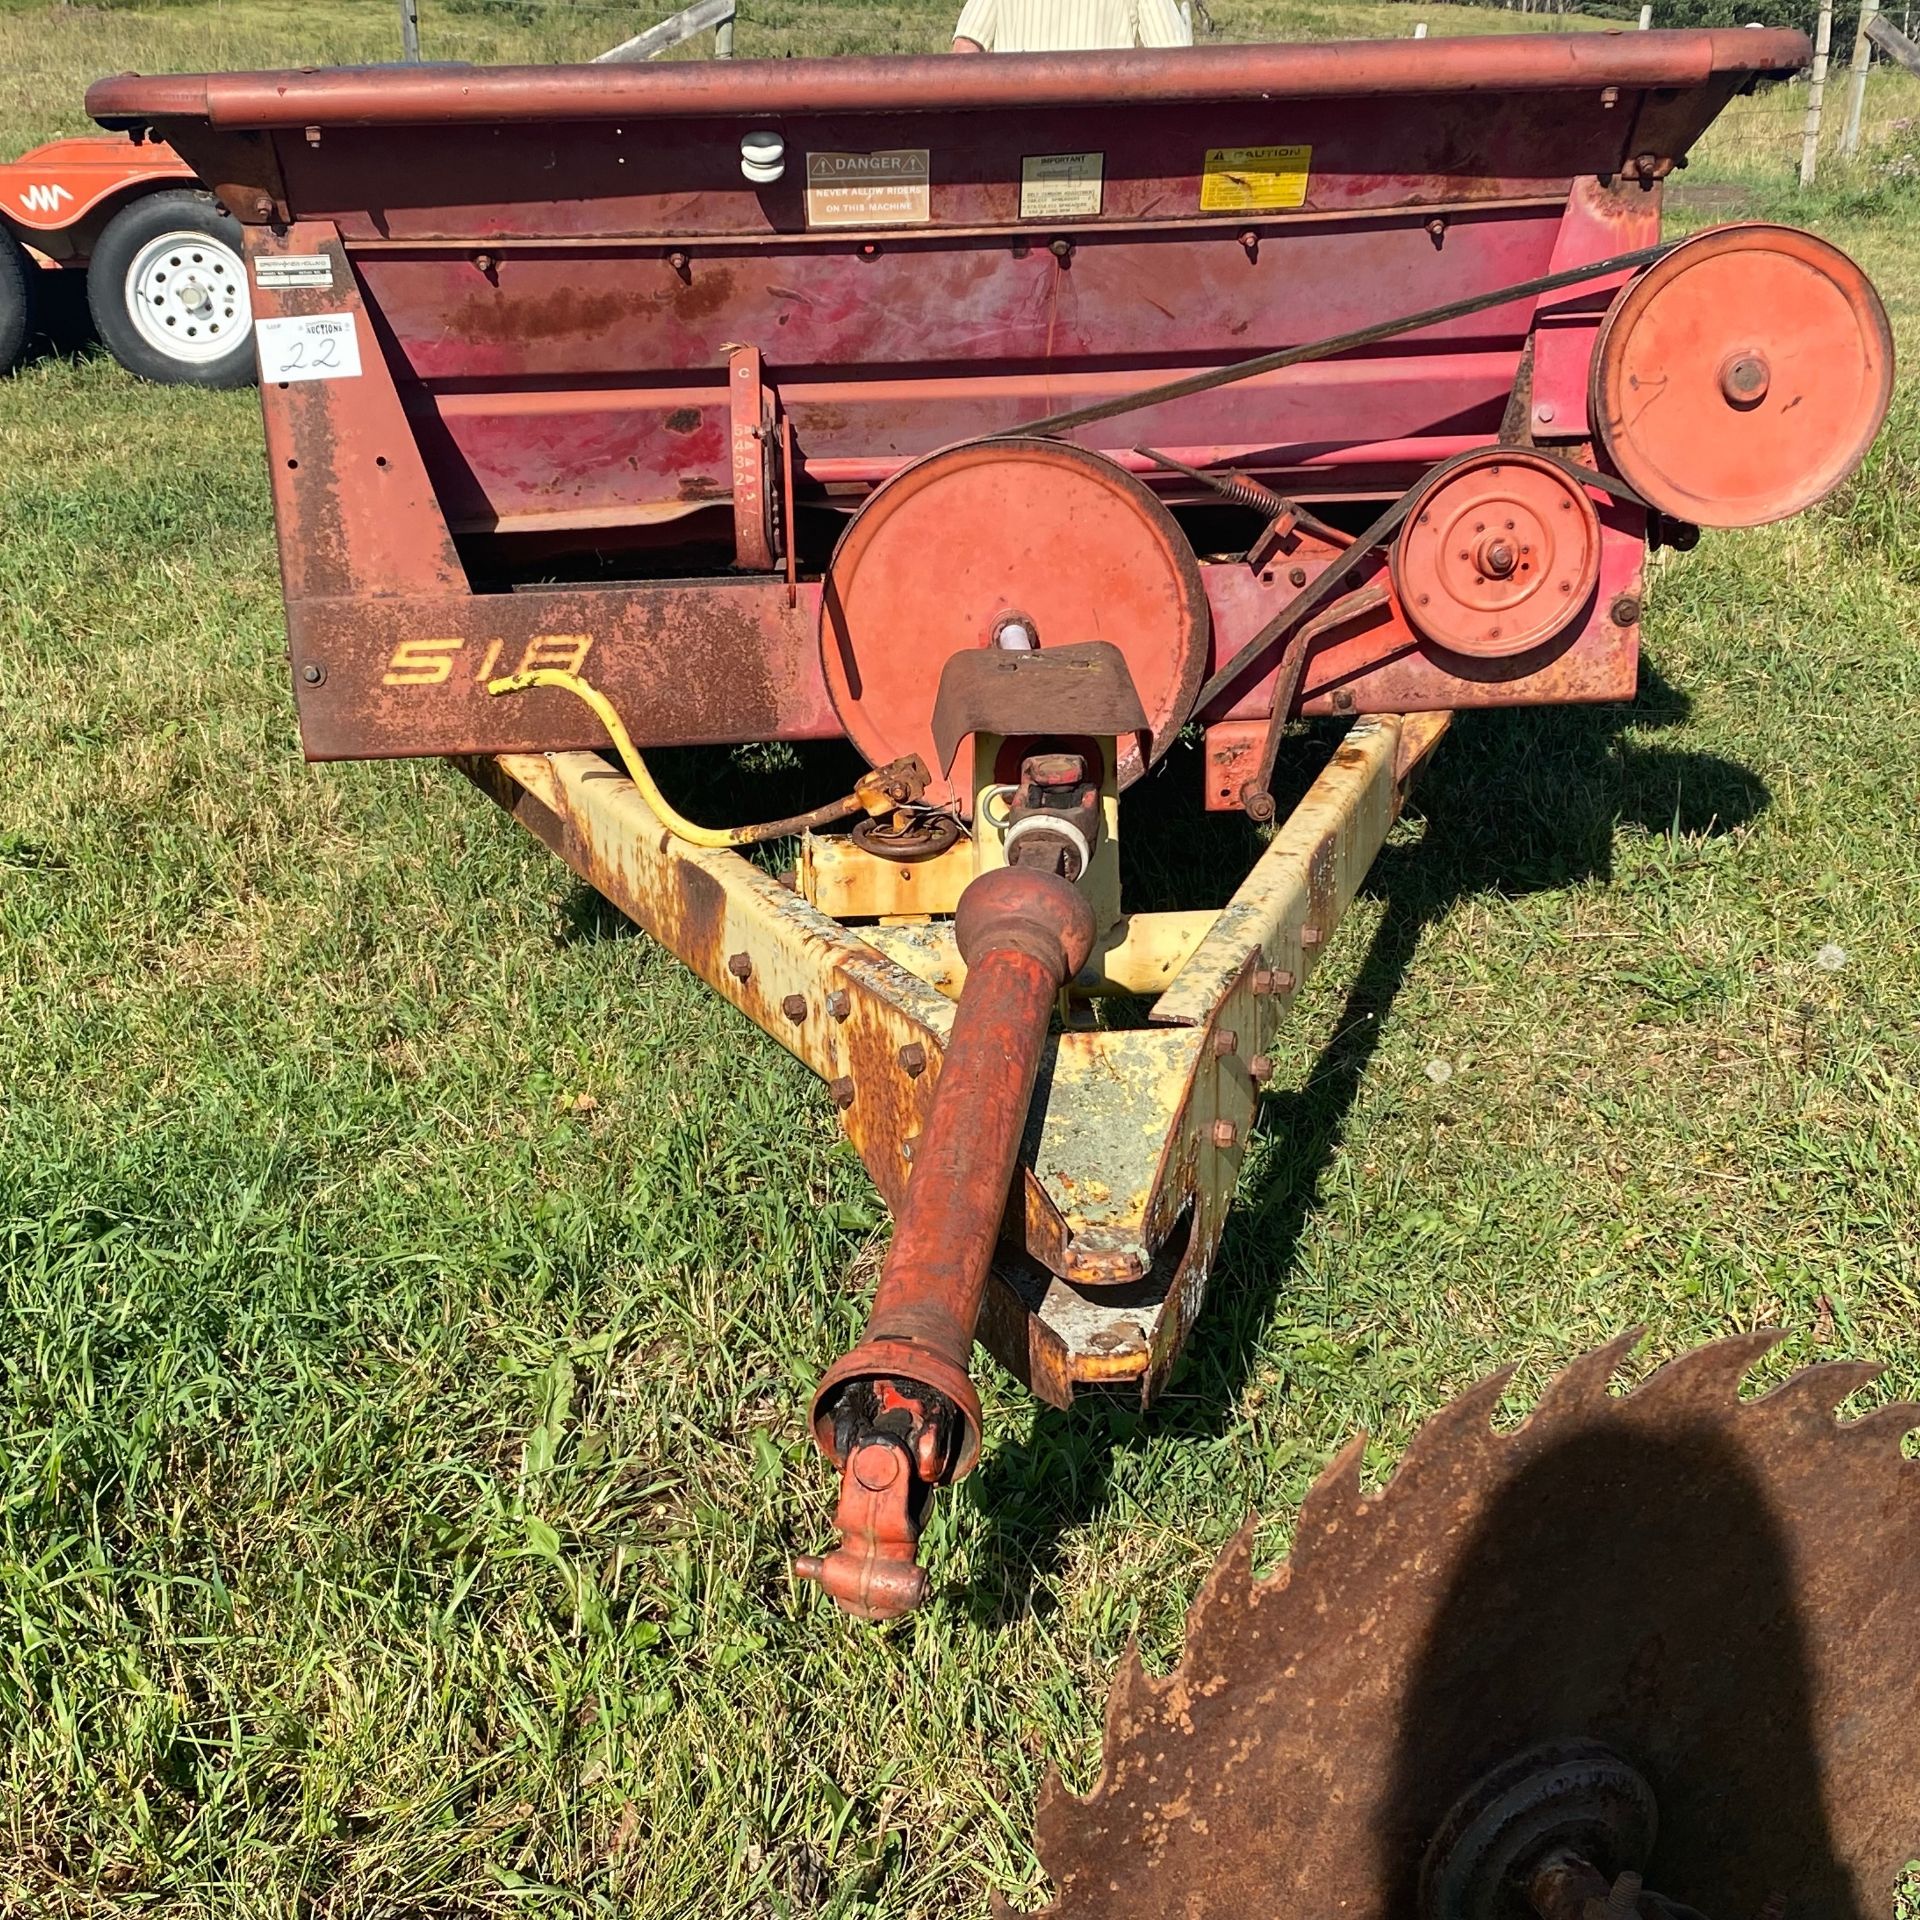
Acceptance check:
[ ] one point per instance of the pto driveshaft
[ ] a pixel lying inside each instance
(899, 1414)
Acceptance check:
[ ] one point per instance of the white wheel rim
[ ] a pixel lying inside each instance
(186, 294)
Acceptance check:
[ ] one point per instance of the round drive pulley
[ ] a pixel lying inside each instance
(1014, 544)
(1500, 555)
(1743, 376)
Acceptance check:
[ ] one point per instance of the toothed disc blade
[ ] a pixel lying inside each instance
(1724, 1592)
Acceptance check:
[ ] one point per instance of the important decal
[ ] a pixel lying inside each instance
(889, 189)
(308, 346)
(1240, 178)
(292, 270)
(1056, 186)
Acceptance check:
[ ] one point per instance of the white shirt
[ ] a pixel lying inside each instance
(1054, 26)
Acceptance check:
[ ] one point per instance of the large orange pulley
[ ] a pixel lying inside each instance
(1020, 544)
(1742, 376)
(1498, 556)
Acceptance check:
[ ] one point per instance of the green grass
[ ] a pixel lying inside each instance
(410, 1283)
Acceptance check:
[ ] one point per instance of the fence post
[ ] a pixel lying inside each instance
(723, 39)
(410, 29)
(1646, 16)
(1816, 95)
(1862, 59)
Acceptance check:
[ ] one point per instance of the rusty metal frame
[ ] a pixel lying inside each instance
(1137, 1135)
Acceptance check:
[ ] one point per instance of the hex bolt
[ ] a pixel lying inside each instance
(1269, 980)
(313, 673)
(1311, 936)
(740, 965)
(678, 260)
(1062, 250)
(1225, 1134)
(1544, 413)
(1260, 1069)
(1625, 611)
(839, 1003)
(913, 1057)
(842, 1091)
(1225, 1041)
(1296, 576)
(794, 1006)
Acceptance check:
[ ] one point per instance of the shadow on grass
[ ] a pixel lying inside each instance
(1514, 803)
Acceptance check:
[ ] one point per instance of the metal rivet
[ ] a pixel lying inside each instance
(1226, 1041)
(794, 1006)
(1225, 1134)
(1260, 1067)
(740, 965)
(1342, 701)
(842, 1092)
(839, 1003)
(913, 1057)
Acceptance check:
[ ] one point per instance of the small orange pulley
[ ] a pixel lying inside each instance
(1742, 376)
(1500, 555)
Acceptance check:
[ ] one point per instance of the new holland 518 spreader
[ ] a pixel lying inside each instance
(1006, 418)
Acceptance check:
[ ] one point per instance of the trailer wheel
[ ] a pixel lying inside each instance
(16, 299)
(167, 286)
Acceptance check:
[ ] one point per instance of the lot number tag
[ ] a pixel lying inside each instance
(308, 346)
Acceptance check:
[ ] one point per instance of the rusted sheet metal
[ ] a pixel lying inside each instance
(1484, 67)
(714, 661)
(966, 302)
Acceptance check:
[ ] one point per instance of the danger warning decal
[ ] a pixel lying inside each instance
(890, 189)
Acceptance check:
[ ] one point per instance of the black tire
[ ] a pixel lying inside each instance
(140, 341)
(16, 299)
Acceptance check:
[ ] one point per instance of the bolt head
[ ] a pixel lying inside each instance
(1260, 1068)
(313, 673)
(1225, 1041)
(1225, 1134)
(839, 1003)
(841, 1091)
(794, 1006)
(913, 1057)
(740, 965)
(1625, 611)
(1296, 576)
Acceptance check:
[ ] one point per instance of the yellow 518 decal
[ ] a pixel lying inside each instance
(430, 663)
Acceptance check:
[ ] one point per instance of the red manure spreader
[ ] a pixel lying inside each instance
(1007, 418)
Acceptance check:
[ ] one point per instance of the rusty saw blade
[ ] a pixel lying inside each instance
(1724, 1592)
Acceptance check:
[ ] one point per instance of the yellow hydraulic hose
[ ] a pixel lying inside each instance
(675, 822)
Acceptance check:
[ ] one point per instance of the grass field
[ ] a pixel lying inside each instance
(410, 1280)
